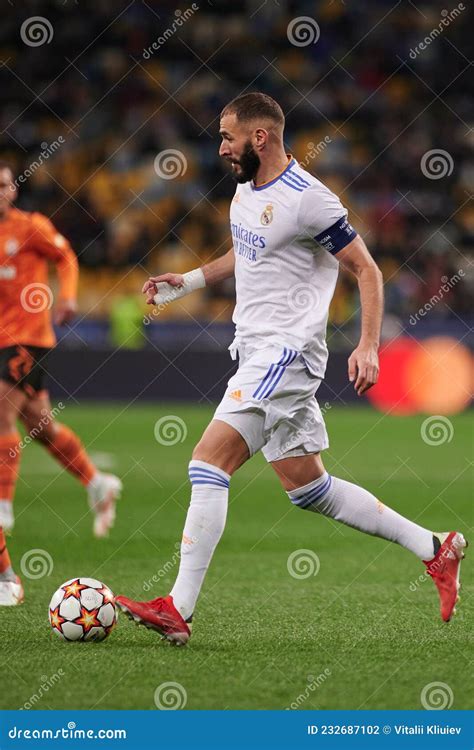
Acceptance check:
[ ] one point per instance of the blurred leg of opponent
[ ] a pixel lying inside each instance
(23, 396)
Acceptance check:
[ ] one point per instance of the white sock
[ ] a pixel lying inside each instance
(356, 507)
(8, 575)
(7, 518)
(94, 483)
(204, 525)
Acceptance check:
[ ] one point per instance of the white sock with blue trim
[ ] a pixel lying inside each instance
(204, 525)
(356, 507)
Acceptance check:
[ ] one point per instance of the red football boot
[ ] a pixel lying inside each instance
(444, 569)
(158, 614)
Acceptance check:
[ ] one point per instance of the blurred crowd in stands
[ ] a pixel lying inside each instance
(361, 115)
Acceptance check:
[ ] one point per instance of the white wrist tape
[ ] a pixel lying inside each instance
(167, 293)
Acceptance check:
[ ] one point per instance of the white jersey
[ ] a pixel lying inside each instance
(285, 234)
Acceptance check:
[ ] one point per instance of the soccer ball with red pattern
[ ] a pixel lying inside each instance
(83, 609)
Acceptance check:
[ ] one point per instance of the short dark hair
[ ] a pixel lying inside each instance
(6, 165)
(255, 106)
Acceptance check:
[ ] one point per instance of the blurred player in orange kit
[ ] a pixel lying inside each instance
(28, 241)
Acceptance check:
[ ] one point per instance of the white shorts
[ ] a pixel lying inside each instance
(271, 402)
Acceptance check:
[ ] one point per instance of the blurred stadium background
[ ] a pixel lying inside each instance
(378, 106)
(95, 94)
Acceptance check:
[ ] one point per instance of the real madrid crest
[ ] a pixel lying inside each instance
(267, 215)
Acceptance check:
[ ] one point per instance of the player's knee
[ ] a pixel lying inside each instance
(49, 430)
(7, 421)
(223, 460)
(43, 430)
(205, 451)
(298, 471)
(222, 447)
(198, 452)
(33, 429)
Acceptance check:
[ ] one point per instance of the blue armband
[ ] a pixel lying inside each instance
(336, 237)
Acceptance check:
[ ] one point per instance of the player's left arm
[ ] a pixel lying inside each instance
(363, 363)
(51, 244)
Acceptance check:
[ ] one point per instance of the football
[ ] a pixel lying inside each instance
(83, 609)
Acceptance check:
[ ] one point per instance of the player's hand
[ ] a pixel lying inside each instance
(65, 311)
(364, 368)
(150, 288)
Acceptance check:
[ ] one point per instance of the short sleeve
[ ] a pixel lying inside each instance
(51, 244)
(48, 241)
(323, 218)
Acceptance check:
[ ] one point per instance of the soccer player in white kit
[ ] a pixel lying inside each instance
(290, 234)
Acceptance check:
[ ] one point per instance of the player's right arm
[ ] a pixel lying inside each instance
(169, 286)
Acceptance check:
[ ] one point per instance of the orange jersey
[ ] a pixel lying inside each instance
(28, 241)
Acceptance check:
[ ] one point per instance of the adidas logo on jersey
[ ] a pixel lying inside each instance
(236, 395)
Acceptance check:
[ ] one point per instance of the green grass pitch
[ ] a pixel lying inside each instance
(363, 633)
